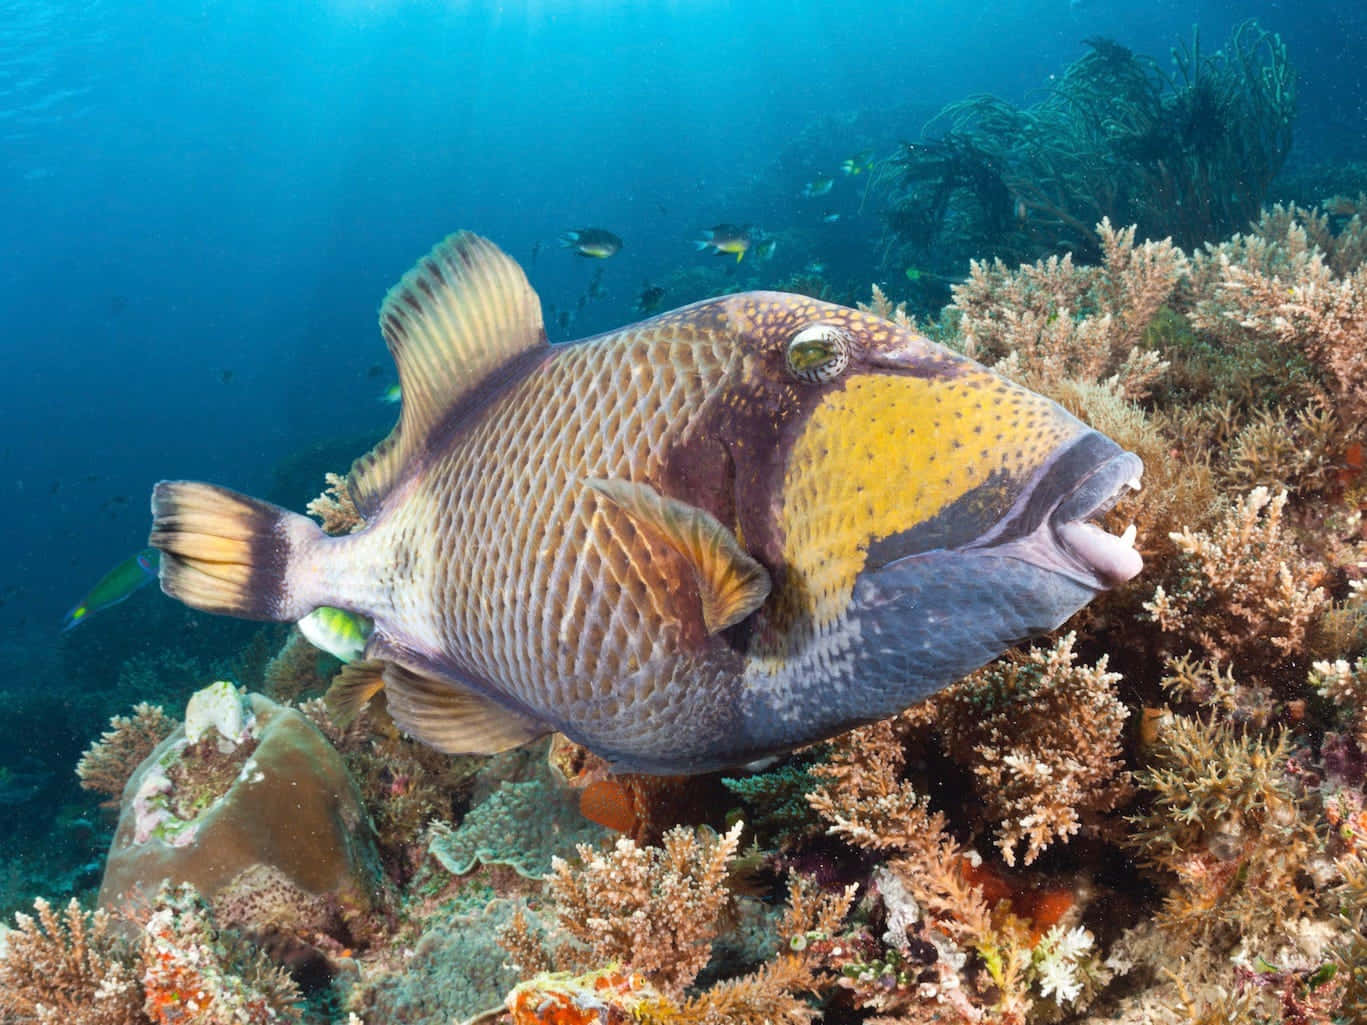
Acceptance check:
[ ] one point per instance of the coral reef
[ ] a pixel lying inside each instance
(68, 968)
(1159, 815)
(249, 793)
(1225, 821)
(1247, 593)
(168, 965)
(109, 762)
(1042, 737)
(1114, 136)
(654, 910)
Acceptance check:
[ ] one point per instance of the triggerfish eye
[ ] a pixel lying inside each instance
(818, 354)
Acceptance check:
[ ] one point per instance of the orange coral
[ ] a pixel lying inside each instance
(607, 996)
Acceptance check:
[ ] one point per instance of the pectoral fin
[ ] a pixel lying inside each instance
(731, 583)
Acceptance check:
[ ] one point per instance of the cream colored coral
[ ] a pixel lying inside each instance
(655, 910)
(67, 968)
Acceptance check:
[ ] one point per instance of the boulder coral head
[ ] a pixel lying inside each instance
(249, 803)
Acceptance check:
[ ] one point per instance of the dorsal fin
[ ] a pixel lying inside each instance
(731, 583)
(464, 311)
(452, 719)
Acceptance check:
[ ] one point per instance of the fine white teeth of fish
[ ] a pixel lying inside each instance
(1133, 483)
(1127, 538)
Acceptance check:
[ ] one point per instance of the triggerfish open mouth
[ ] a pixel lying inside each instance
(1052, 525)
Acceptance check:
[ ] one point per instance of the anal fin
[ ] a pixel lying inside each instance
(352, 689)
(451, 718)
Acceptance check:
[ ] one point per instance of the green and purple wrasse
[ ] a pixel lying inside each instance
(134, 572)
(715, 535)
(594, 242)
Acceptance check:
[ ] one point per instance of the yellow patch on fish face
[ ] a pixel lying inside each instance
(886, 452)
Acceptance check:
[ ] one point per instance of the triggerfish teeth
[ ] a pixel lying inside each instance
(693, 543)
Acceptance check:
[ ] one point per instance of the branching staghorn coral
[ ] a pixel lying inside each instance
(1052, 321)
(1042, 737)
(1294, 282)
(1202, 682)
(109, 762)
(1345, 684)
(653, 910)
(1225, 824)
(990, 964)
(335, 509)
(649, 917)
(1246, 594)
(68, 969)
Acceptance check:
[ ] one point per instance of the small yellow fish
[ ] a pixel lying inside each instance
(341, 634)
(595, 242)
(726, 238)
(716, 535)
(859, 163)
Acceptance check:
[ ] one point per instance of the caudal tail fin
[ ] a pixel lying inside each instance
(227, 553)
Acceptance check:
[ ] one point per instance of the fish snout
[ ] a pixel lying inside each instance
(1054, 526)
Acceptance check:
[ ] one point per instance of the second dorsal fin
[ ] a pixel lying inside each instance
(464, 311)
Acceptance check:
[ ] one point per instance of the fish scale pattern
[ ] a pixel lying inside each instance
(542, 586)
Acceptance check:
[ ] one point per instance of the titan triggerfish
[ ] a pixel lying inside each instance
(709, 537)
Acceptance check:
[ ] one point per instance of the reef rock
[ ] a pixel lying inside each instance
(250, 805)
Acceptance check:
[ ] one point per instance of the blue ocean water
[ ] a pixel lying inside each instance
(202, 204)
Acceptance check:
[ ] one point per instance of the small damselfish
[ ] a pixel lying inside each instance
(706, 538)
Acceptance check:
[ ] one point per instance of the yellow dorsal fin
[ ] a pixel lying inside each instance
(731, 583)
(464, 311)
(452, 719)
(351, 689)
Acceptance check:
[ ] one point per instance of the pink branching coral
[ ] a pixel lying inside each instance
(109, 762)
(1042, 737)
(68, 969)
(1245, 593)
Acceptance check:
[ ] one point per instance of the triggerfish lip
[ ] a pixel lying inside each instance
(1050, 528)
(1111, 560)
